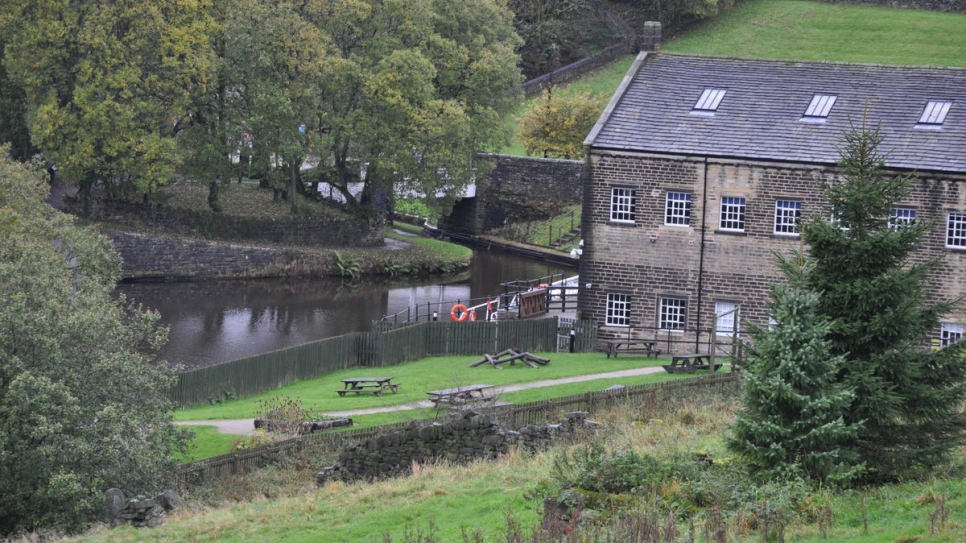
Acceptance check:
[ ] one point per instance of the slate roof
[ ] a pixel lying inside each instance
(760, 115)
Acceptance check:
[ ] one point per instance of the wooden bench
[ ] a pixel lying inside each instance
(370, 385)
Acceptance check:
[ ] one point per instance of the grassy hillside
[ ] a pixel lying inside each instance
(792, 29)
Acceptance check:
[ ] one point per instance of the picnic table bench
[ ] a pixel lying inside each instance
(371, 385)
(647, 347)
(460, 395)
(689, 363)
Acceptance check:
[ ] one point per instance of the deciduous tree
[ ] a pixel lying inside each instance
(84, 402)
(557, 126)
(106, 82)
(422, 87)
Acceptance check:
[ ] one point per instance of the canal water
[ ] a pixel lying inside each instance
(212, 322)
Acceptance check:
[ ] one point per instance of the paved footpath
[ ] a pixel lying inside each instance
(245, 426)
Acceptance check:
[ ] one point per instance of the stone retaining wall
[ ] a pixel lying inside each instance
(467, 436)
(155, 256)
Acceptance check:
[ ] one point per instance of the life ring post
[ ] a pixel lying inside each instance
(459, 313)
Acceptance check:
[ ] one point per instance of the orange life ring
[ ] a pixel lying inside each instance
(458, 313)
(472, 316)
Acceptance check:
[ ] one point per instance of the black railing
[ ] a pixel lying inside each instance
(560, 298)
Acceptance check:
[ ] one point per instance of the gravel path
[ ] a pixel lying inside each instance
(245, 426)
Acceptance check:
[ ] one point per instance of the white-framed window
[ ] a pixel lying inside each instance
(787, 215)
(956, 230)
(950, 333)
(618, 309)
(677, 209)
(732, 213)
(726, 317)
(901, 216)
(623, 202)
(673, 314)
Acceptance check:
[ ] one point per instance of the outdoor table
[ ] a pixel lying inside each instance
(689, 363)
(372, 385)
(460, 395)
(646, 347)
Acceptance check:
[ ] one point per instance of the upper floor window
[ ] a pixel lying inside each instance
(934, 114)
(950, 333)
(819, 108)
(708, 102)
(956, 230)
(677, 209)
(618, 310)
(787, 214)
(672, 314)
(732, 213)
(622, 204)
(901, 216)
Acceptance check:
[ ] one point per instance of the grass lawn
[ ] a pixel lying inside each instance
(793, 29)
(415, 378)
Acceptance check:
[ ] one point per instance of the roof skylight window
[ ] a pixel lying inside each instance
(819, 108)
(707, 104)
(934, 114)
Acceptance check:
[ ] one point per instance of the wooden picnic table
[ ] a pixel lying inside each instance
(689, 363)
(371, 385)
(460, 395)
(647, 347)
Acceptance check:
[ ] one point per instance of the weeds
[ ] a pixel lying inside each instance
(346, 267)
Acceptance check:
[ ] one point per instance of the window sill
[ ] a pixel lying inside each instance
(731, 232)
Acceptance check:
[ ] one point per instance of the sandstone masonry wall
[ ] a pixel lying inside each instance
(517, 189)
(647, 259)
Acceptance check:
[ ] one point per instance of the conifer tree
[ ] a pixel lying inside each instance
(793, 421)
(907, 397)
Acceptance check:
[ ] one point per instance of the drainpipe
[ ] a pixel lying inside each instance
(704, 214)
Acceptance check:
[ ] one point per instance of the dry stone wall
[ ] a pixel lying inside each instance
(467, 436)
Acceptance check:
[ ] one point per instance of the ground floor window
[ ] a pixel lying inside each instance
(950, 333)
(672, 314)
(726, 315)
(618, 309)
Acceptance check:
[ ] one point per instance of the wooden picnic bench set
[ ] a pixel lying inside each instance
(647, 347)
(368, 385)
(461, 396)
(690, 363)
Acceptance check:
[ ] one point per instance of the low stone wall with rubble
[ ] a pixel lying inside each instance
(467, 436)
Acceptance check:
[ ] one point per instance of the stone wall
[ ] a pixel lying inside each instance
(467, 436)
(339, 230)
(156, 256)
(956, 6)
(702, 264)
(517, 189)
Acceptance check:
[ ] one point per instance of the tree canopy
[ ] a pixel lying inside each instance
(84, 403)
(382, 94)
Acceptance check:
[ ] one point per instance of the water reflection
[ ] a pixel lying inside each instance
(216, 321)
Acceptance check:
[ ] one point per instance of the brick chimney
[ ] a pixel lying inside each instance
(650, 38)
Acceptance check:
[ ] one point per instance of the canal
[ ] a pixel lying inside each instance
(212, 322)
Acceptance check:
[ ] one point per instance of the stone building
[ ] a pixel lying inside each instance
(699, 169)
